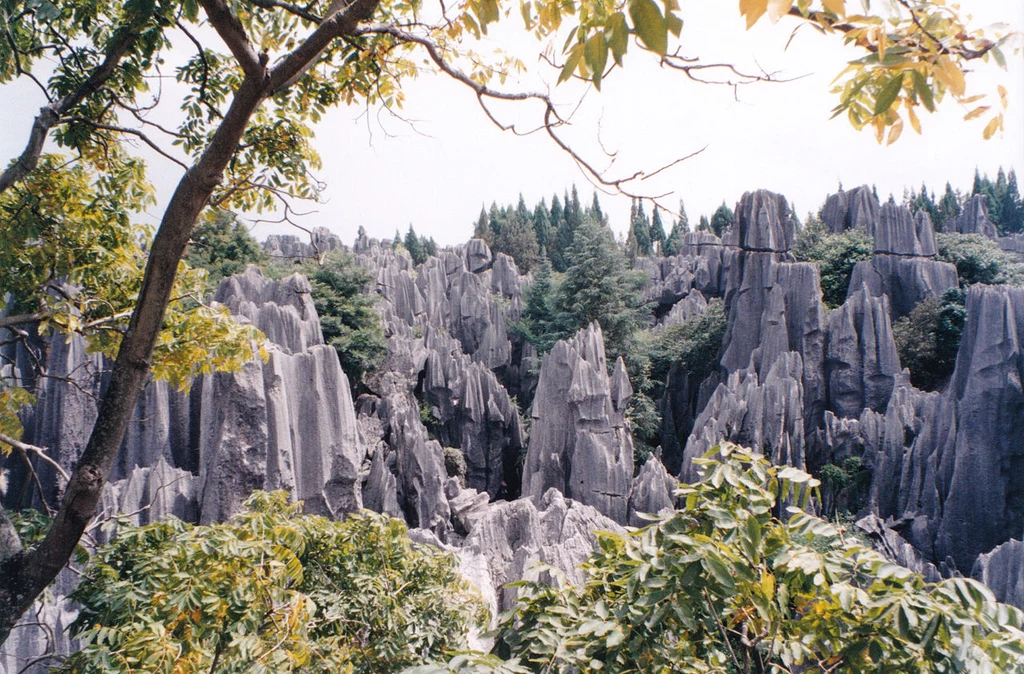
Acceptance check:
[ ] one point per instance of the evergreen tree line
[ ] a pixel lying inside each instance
(1002, 198)
(543, 232)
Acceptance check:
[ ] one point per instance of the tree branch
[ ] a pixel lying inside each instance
(36, 451)
(234, 36)
(133, 132)
(50, 114)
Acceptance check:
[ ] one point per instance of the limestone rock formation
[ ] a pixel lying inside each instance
(861, 362)
(513, 536)
(906, 280)
(973, 219)
(754, 411)
(900, 232)
(653, 492)
(1002, 570)
(290, 247)
(849, 210)
(579, 442)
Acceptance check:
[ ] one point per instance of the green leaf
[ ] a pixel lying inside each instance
(573, 60)
(649, 25)
(595, 53)
(617, 35)
(924, 92)
(888, 93)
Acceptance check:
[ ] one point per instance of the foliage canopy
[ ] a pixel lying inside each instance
(726, 584)
(270, 591)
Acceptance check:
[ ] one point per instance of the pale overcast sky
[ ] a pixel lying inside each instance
(384, 174)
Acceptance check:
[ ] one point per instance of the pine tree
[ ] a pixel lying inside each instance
(1012, 210)
(397, 241)
(538, 323)
(522, 211)
(595, 210)
(572, 216)
(414, 246)
(494, 221)
(949, 207)
(482, 229)
(722, 220)
(598, 286)
(574, 211)
(542, 224)
(640, 228)
(703, 225)
(657, 232)
(517, 240)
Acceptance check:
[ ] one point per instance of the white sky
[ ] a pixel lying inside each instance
(384, 174)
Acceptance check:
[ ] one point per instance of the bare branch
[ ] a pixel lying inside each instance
(21, 319)
(36, 451)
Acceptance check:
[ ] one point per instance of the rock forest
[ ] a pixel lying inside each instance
(535, 427)
(758, 443)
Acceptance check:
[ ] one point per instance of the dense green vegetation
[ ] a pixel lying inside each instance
(979, 259)
(835, 255)
(222, 246)
(270, 591)
(928, 338)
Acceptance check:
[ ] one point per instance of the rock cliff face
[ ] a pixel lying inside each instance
(579, 443)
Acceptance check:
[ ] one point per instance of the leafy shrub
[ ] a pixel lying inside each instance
(928, 338)
(270, 591)
(723, 585)
(844, 486)
(835, 254)
(694, 344)
(979, 259)
(455, 463)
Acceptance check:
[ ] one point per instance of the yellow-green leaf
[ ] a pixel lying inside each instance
(778, 9)
(837, 7)
(617, 35)
(924, 92)
(753, 10)
(888, 93)
(975, 113)
(950, 74)
(572, 60)
(992, 127)
(649, 25)
(595, 53)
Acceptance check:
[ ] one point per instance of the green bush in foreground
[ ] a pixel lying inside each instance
(270, 591)
(724, 585)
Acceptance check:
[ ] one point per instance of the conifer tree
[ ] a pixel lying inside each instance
(949, 207)
(482, 229)
(1011, 207)
(517, 239)
(722, 220)
(657, 232)
(640, 228)
(414, 246)
(542, 224)
(595, 210)
(703, 225)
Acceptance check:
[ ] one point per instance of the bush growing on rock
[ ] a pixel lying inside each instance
(979, 259)
(928, 338)
(835, 254)
(270, 591)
